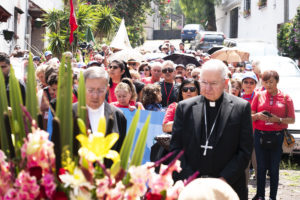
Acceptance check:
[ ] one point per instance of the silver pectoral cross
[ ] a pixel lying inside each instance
(205, 147)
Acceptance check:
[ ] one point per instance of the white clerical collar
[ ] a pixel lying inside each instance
(94, 116)
(95, 110)
(212, 104)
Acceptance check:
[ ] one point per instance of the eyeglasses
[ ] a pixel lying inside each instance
(191, 89)
(170, 70)
(4, 66)
(205, 84)
(249, 82)
(113, 67)
(132, 64)
(95, 91)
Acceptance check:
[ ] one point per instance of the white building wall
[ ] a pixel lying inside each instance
(261, 24)
(152, 22)
(10, 5)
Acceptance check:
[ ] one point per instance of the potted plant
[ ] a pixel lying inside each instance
(246, 13)
(8, 35)
(262, 3)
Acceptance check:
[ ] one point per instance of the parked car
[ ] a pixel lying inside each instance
(206, 39)
(254, 47)
(190, 31)
(289, 83)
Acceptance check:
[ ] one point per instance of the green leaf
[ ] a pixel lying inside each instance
(81, 126)
(81, 99)
(64, 105)
(139, 148)
(17, 113)
(128, 141)
(31, 97)
(3, 108)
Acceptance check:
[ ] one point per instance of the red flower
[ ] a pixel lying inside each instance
(59, 196)
(150, 196)
(60, 172)
(42, 194)
(36, 171)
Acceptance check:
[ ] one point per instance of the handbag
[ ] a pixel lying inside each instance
(288, 139)
(288, 142)
(269, 141)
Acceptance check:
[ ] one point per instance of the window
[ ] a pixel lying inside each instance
(247, 8)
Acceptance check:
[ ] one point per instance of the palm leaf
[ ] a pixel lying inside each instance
(81, 98)
(139, 148)
(3, 108)
(128, 141)
(64, 105)
(17, 115)
(31, 98)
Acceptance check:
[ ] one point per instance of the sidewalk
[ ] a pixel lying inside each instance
(288, 189)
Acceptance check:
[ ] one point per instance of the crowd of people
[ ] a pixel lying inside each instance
(219, 113)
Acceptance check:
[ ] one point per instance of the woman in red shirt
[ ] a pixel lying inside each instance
(272, 111)
(188, 88)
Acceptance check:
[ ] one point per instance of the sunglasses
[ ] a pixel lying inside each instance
(170, 70)
(249, 82)
(191, 89)
(113, 67)
(4, 66)
(132, 64)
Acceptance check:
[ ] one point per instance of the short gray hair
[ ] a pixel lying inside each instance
(94, 73)
(214, 64)
(155, 64)
(169, 63)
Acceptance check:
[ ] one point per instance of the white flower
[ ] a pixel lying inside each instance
(75, 181)
(35, 141)
(82, 195)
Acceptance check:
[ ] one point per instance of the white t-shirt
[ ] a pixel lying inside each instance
(94, 116)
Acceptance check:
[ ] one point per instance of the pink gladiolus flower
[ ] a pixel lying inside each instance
(5, 175)
(173, 192)
(49, 183)
(25, 187)
(38, 151)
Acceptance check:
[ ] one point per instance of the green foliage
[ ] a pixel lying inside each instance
(128, 141)
(289, 37)
(106, 22)
(3, 108)
(139, 148)
(200, 12)
(31, 98)
(81, 98)
(98, 18)
(17, 114)
(283, 37)
(294, 39)
(64, 105)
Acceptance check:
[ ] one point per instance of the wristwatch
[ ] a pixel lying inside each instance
(280, 120)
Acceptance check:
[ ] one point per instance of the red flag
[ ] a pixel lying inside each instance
(72, 22)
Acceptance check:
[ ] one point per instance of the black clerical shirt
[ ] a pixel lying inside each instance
(207, 162)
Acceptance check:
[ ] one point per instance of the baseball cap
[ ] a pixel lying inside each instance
(180, 65)
(37, 58)
(250, 75)
(248, 67)
(47, 53)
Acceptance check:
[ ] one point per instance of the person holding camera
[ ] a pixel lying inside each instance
(272, 111)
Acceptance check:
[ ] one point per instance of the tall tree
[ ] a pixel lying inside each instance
(200, 12)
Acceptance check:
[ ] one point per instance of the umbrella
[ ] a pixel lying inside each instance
(231, 55)
(214, 49)
(180, 58)
(153, 56)
(127, 54)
